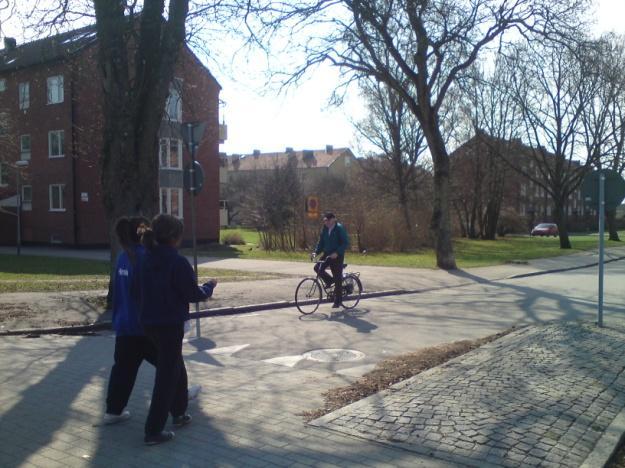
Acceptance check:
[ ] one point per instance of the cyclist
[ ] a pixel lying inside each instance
(333, 241)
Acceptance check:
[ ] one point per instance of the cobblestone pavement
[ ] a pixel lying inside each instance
(542, 396)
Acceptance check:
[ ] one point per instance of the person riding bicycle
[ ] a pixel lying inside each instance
(333, 241)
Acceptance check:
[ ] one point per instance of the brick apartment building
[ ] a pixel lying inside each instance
(524, 203)
(51, 121)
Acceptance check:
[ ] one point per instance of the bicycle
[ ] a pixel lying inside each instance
(310, 291)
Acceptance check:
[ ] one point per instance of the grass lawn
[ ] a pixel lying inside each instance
(53, 274)
(469, 253)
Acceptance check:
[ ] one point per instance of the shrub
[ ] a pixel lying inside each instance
(233, 238)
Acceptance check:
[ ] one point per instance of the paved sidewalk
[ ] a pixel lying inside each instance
(543, 396)
(550, 395)
(52, 392)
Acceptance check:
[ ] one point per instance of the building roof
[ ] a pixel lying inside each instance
(47, 49)
(306, 159)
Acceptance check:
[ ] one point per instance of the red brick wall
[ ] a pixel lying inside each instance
(41, 224)
(83, 222)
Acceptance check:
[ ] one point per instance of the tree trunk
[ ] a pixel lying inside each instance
(610, 217)
(560, 218)
(441, 223)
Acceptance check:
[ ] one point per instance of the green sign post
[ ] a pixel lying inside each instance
(606, 188)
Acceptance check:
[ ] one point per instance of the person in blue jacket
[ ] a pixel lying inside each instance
(168, 285)
(131, 344)
(332, 243)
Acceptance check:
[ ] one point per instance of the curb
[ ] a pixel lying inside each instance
(217, 312)
(560, 270)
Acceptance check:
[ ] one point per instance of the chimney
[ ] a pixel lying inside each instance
(329, 149)
(256, 153)
(289, 149)
(10, 43)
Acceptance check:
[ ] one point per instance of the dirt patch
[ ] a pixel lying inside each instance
(396, 369)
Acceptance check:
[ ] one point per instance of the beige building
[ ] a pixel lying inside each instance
(313, 166)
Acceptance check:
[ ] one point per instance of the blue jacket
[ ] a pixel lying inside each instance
(126, 295)
(167, 287)
(337, 241)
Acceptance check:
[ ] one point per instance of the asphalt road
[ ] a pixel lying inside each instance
(387, 326)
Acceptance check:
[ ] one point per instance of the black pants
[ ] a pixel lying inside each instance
(170, 383)
(130, 351)
(336, 267)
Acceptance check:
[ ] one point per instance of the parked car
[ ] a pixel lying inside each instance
(545, 229)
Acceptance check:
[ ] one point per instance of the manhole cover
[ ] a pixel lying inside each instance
(333, 355)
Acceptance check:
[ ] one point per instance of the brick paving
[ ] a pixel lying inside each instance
(52, 392)
(542, 396)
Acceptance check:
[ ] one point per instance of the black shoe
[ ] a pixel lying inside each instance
(336, 305)
(163, 436)
(182, 420)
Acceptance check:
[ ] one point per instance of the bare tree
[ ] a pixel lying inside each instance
(417, 48)
(552, 87)
(393, 130)
(603, 117)
(489, 115)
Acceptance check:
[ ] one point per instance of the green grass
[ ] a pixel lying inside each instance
(35, 273)
(53, 274)
(469, 253)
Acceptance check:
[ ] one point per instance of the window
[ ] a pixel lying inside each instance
(24, 95)
(55, 89)
(56, 143)
(4, 175)
(57, 192)
(171, 201)
(3, 85)
(27, 197)
(173, 107)
(170, 153)
(25, 147)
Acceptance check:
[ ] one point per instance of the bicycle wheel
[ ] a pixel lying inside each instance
(308, 296)
(352, 289)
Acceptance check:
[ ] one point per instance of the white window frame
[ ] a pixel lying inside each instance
(27, 205)
(51, 188)
(25, 154)
(54, 89)
(173, 105)
(167, 191)
(166, 142)
(24, 95)
(61, 135)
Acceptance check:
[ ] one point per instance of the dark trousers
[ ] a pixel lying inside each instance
(170, 383)
(336, 267)
(130, 351)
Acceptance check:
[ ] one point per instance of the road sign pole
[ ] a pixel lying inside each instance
(192, 148)
(601, 246)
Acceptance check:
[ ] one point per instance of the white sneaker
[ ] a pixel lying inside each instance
(193, 391)
(116, 418)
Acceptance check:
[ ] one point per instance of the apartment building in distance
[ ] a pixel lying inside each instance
(51, 131)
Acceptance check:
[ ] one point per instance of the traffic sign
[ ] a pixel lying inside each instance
(312, 207)
(614, 188)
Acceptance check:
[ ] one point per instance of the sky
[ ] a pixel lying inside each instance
(302, 119)
(265, 119)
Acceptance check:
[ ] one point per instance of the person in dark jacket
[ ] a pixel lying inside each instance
(168, 285)
(332, 243)
(131, 344)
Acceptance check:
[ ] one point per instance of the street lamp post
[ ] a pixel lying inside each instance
(19, 165)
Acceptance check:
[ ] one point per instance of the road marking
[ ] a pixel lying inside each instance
(226, 350)
(288, 361)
